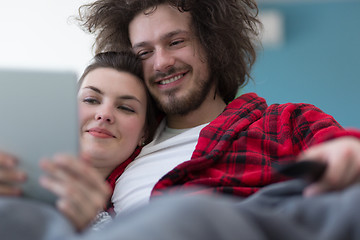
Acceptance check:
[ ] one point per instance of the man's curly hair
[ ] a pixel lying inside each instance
(226, 29)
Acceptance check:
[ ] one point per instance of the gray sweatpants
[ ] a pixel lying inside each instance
(276, 212)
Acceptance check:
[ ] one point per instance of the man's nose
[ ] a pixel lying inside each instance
(163, 60)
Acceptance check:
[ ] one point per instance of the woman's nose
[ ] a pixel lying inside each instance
(105, 115)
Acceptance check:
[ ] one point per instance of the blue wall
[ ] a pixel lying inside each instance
(319, 62)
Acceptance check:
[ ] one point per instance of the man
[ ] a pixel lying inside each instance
(195, 57)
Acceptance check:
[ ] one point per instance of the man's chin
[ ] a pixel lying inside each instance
(178, 108)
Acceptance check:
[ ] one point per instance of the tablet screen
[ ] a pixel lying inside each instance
(38, 119)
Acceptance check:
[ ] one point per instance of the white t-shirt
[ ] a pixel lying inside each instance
(169, 148)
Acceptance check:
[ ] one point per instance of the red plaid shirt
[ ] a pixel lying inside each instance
(236, 151)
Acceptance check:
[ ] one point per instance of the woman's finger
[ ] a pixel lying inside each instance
(10, 176)
(82, 171)
(81, 189)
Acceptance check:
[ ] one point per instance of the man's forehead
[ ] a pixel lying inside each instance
(161, 22)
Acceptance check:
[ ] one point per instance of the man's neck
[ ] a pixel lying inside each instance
(209, 110)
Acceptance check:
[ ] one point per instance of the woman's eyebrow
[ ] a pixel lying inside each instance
(121, 97)
(94, 89)
(128, 97)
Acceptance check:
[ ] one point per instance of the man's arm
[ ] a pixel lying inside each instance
(342, 156)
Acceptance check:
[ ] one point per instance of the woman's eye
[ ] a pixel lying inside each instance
(91, 101)
(127, 109)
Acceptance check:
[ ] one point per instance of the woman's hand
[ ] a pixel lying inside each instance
(82, 191)
(342, 156)
(10, 176)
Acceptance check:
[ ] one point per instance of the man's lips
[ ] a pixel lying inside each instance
(100, 133)
(170, 79)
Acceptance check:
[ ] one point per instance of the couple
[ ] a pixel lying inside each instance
(192, 71)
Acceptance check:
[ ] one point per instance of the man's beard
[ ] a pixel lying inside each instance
(188, 103)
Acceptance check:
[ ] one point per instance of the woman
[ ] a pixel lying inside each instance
(116, 119)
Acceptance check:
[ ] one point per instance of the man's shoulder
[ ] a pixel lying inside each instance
(253, 101)
(245, 104)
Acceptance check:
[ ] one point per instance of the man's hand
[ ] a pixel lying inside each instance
(82, 191)
(342, 157)
(10, 175)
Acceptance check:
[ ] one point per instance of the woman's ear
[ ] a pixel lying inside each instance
(142, 141)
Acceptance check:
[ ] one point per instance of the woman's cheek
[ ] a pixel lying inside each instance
(82, 114)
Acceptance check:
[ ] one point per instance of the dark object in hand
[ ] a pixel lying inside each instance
(308, 170)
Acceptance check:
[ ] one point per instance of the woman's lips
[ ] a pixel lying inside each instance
(100, 133)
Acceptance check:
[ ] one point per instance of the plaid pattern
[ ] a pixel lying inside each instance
(236, 152)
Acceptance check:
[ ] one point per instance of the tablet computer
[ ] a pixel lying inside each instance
(38, 119)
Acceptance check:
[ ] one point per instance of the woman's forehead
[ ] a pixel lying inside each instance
(111, 80)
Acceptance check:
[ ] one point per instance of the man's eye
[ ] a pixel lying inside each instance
(91, 101)
(177, 42)
(127, 109)
(144, 54)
